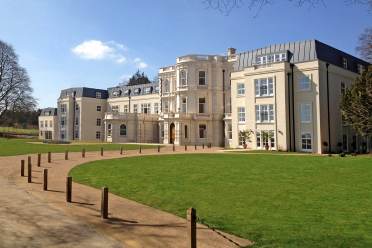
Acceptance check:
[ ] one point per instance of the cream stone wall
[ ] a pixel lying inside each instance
(285, 109)
(48, 124)
(88, 116)
(216, 96)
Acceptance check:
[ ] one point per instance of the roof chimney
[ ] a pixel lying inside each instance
(231, 51)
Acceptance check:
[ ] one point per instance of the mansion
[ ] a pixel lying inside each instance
(286, 96)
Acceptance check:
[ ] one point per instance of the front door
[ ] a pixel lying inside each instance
(172, 133)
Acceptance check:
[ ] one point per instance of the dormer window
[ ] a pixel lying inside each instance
(116, 93)
(360, 68)
(344, 63)
(127, 92)
(137, 91)
(147, 90)
(98, 95)
(156, 89)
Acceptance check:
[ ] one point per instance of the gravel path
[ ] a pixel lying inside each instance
(31, 217)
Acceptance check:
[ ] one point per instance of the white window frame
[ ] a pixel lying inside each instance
(306, 138)
(229, 131)
(183, 78)
(240, 89)
(126, 108)
(301, 83)
(345, 63)
(135, 108)
(202, 104)
(205, 78)
(306, 107)
(241, 115)
(259, 83)
(184, 105)
(156, 108)
(263, 110)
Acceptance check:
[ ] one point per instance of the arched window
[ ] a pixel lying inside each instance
(123, 130)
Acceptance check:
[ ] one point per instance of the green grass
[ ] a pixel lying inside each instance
(275, 201)
(12, 130)
(10, 147)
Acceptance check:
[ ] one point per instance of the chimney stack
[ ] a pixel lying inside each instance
(231, 51)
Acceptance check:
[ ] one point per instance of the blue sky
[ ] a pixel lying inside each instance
(93, 43)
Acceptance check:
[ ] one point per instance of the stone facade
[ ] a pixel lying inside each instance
(287, 95)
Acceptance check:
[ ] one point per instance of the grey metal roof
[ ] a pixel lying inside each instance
(84, 92)
(300, 51)
(133, 90)
(48, 112)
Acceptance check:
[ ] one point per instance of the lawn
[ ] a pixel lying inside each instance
(10, 147)
(275, 201)
(12, 130)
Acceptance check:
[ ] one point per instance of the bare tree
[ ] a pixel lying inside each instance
(226, 6)
(15, 89)
(365, 44)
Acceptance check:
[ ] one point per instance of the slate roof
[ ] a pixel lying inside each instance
(84, 92)
(300, 51)
(48, 112)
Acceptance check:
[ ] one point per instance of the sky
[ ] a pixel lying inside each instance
(91, 43)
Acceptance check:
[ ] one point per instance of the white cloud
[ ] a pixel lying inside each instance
(140, 64)
(106, 50)
(99, 50)
(121, 59)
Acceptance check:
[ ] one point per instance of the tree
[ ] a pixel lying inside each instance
(226, 6)
(15, 89)
(246, 136)
(365, 44)
(138, 78)
(356, 104)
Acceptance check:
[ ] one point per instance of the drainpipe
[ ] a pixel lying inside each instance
(329, 121)
(289, 112)
(293, 112)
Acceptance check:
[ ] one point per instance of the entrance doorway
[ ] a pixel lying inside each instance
(172, 133)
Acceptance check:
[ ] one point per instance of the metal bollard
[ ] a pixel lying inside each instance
(185, 147)
(203, 145)
(66, 155)
(49, 157)
(191, 227)
(104, 203)
(38, 159)
(174, 147)
(101, 151)
(83, 153)
(158, 148)
(45, 184)
(195, 148)
(121, 150)
(140, 149)
(22, 168)
(68, 189)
